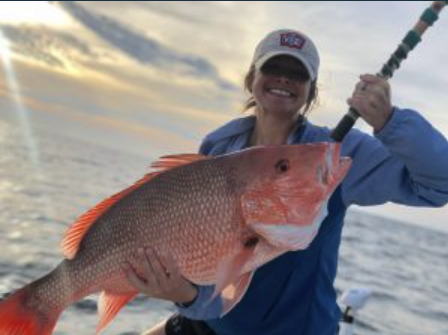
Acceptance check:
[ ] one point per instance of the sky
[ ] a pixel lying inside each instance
(153, 78)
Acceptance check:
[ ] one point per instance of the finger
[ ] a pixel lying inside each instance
(145, 263)
(375, 82)
(361, 86)
(372, 103)
(351, 103)
(370, 78)
(148, 271)
(363, 90)
(359, 95)
(158, 269)
(357, 103)
(371, 92)
(374, 89)
(138, 283)
(382, 91)
(171, 265)
(377, 98)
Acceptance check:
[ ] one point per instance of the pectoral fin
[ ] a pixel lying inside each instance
(233, 293)
(229, 271)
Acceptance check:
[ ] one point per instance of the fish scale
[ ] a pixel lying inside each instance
(167, 221)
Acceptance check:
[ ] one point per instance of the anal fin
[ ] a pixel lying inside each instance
(109, 305)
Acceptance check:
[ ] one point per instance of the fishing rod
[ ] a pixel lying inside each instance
(412, 38)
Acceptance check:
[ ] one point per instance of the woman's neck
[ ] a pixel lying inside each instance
(272, 130)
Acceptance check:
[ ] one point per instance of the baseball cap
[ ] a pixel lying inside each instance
(288, 42)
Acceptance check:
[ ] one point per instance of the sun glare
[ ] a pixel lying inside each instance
(4, 49)
(32, 12)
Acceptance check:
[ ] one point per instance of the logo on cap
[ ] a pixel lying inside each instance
(292, 40)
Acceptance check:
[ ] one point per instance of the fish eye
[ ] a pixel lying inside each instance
(251, 242)
(282, 165)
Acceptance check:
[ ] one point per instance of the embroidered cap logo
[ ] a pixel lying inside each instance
(292, 40)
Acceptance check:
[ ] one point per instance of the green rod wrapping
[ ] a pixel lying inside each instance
(429, 16)
(412, 38)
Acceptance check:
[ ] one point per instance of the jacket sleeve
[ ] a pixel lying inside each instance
(405, 163)
(204, 307)
(206, 146)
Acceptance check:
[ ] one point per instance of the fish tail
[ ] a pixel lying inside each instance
(19, 316)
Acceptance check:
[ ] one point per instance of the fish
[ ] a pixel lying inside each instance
(219, 217)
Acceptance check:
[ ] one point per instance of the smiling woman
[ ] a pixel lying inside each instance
(32, 12)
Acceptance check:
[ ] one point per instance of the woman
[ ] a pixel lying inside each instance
(405, 162)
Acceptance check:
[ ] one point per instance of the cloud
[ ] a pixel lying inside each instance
(144, 49)
(46, 45)
(152, 104)
(196, 12)
(217, 30)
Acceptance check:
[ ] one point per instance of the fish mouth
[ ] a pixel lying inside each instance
(295, 233)
(286, 236)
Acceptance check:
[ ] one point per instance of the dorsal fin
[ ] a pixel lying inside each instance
(75, 234)
(172, 161)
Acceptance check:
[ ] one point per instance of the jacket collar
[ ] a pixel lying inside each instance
(239, 131)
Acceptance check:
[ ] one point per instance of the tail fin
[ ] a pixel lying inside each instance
(18, 317)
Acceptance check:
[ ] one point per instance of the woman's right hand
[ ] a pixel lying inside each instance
(161, 278)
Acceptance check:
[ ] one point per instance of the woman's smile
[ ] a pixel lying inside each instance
(280, 92)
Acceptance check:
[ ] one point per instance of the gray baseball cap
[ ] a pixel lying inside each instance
(288, 42)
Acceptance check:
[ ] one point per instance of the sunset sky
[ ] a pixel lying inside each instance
(153, 78)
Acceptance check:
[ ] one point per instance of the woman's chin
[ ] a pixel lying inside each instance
(281, 110)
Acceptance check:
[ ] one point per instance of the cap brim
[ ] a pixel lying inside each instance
(260, 62)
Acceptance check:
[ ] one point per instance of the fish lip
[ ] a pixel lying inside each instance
(286, 236)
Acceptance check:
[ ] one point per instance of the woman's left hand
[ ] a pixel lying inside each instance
(161, 278)
(371, 99)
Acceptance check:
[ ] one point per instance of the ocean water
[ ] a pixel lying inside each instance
(42, 193)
